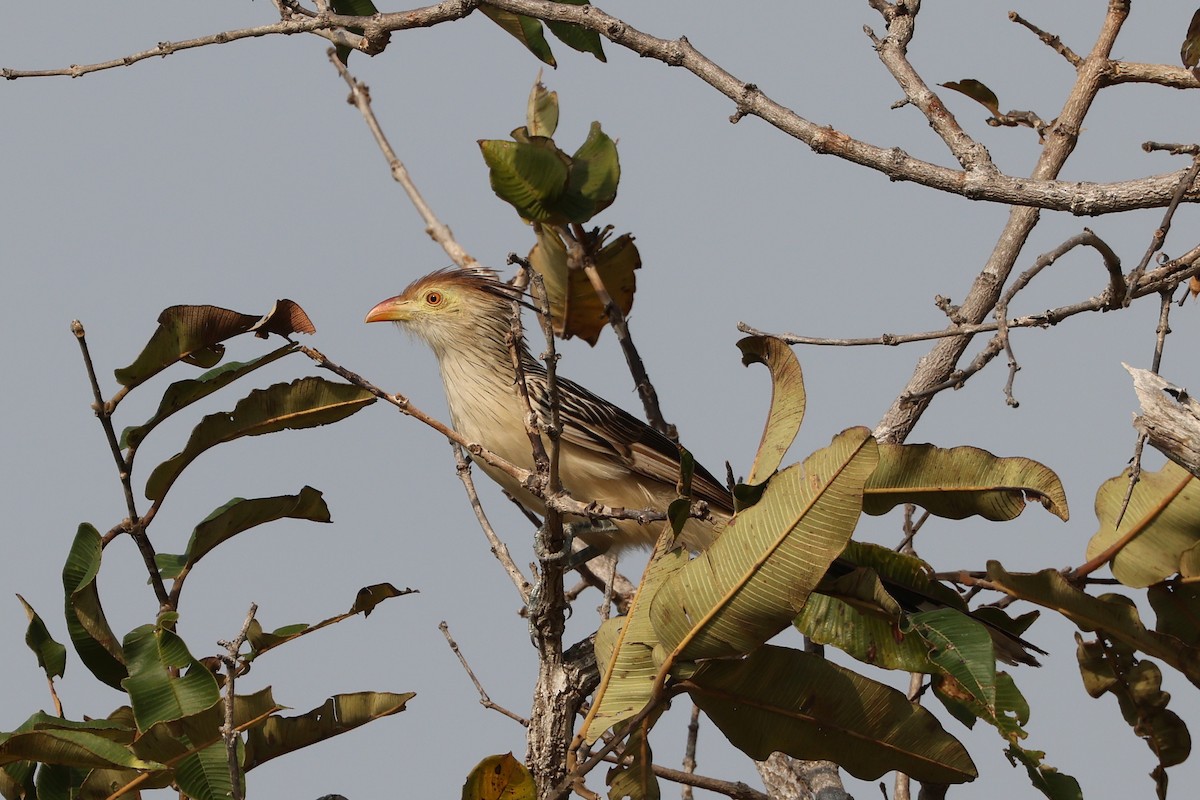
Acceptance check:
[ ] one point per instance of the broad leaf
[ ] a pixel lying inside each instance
(577, 37)
(787, 402)
(303, 403)
(344, 712)
(185, 332)
(784, 700)
(1118, 620)
(79, 748)
(51, 655)
(1008, 715)
(595, 171)
(87, 626)
(157, 690)
(1162, 521)
(240, 515)
(960, 482)
(634, 777)
(962, 649)
(183, 393)
(530, 175)
(625, 653)
(499, 777)
(575, 309)
(1177, 606)
(757, 576)
(526, 30)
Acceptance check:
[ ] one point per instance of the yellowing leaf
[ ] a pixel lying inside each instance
(575, 309)
(499, 777)
(1163, 520)
(787, 402)
(959, 482)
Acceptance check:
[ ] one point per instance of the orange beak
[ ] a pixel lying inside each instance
(390, 310)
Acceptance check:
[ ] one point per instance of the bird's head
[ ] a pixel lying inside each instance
(451, 308)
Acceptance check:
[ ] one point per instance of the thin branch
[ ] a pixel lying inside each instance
(136, 527)
(1040, 191)
(893, 52)
(360, 98)
(499, 548)
(234, 665)
(484, 700)
(689, 750)
(735, 790)
(1049, 39)
(1160, 233)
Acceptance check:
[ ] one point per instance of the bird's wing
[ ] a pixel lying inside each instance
(595, 424)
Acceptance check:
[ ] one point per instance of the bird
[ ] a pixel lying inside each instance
(606, 454)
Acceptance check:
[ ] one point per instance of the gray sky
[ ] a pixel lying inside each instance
(234, 175)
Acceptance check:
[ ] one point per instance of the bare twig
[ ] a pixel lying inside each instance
(1160, 233)
(689, 750)
(484, 700)
(1049, 39)
(235, 665)
(360, 98)
(136, 526)
(735, 790)
(499, 548)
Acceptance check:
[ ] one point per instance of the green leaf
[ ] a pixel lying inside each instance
(343, 712)
(595, 171)
(541, 113)
(962, 649)
(78, 748)
(87, 626)
(156, 691)
(185, 332)
(51, 655)
(17, 780)
(240, 515)
(777, 699)
(1177, 606)
(978, 92)
(303, 403)
(530, 175)
(526, 30)
(1046, 779)
(193, 745)
(1008, 715)
(181, 394)
(1163, 520)
(787, 402)
(575, 36)
(960, 482)
(625, 653)
(757, 576)
(499, 777)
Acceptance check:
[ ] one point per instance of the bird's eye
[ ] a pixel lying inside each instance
(433, 298)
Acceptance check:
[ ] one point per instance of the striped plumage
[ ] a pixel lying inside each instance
(606, 454)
